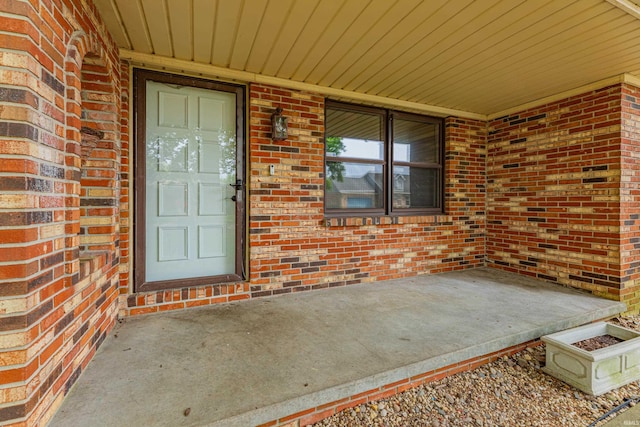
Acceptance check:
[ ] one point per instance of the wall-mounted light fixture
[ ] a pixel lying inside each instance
(279, 130)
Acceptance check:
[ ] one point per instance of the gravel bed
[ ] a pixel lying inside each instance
(512, 391)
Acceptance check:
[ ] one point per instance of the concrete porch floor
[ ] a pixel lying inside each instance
(248, 363)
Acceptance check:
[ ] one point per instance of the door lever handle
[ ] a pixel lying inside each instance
(237, 185)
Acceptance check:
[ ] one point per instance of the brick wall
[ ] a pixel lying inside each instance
(553, 207)
(630, 197)
(292, 246)
(125, 181)
(560, 203)
(99, 158)
(59, 70)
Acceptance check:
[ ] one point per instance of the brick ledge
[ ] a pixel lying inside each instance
(315, 414)
(353, 221)
(92, 261)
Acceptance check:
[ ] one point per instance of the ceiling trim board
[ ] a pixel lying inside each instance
(628, 6)
(212, 71)
(622, 78)
(248, 77)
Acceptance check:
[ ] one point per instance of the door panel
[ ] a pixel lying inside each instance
(191, 221)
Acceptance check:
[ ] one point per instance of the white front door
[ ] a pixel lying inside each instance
(190, 172)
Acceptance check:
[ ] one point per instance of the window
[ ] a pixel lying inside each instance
(381, 162)
(416, 162)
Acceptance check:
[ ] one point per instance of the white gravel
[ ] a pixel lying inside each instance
(512, 391)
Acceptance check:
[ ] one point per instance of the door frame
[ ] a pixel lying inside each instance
(140, 78)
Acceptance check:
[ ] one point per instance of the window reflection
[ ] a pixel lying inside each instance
(354, 125)
(366, 166)
(355, 149)
(174, 152)
(360, 186)
(415, 187)
(415, 142)
(358, 149)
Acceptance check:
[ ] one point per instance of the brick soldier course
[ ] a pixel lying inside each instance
(551, 192)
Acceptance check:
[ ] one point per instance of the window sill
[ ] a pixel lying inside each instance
(359, 221)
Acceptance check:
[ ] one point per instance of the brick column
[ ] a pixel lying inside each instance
(630, 198)
(54, 311)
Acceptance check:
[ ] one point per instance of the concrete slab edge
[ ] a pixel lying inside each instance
(313, 400)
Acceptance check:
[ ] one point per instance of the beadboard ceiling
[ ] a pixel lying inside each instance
(482, 57)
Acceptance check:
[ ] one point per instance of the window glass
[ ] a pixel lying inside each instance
(353, 185)
(415, 187)
(415, 141)
(355, 148)
(370, 169)
(354, 125)
(354, 134)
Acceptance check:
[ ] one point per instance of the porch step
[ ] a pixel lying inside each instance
(300, 357)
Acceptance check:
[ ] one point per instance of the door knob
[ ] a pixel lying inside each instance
(233, 198)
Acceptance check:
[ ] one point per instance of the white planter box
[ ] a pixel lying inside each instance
(598, 371)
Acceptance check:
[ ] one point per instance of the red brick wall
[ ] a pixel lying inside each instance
(294, 248)
(100, 158)
(125, 180)
(553, 175)
(177, 299)
(560, 203)
(55, 309)
(630, 196)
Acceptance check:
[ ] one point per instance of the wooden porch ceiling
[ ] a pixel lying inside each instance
(482, 57)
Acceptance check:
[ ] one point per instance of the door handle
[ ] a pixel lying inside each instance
(233, 198)
(237, 185)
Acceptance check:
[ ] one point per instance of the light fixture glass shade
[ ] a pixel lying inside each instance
(279, 125)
